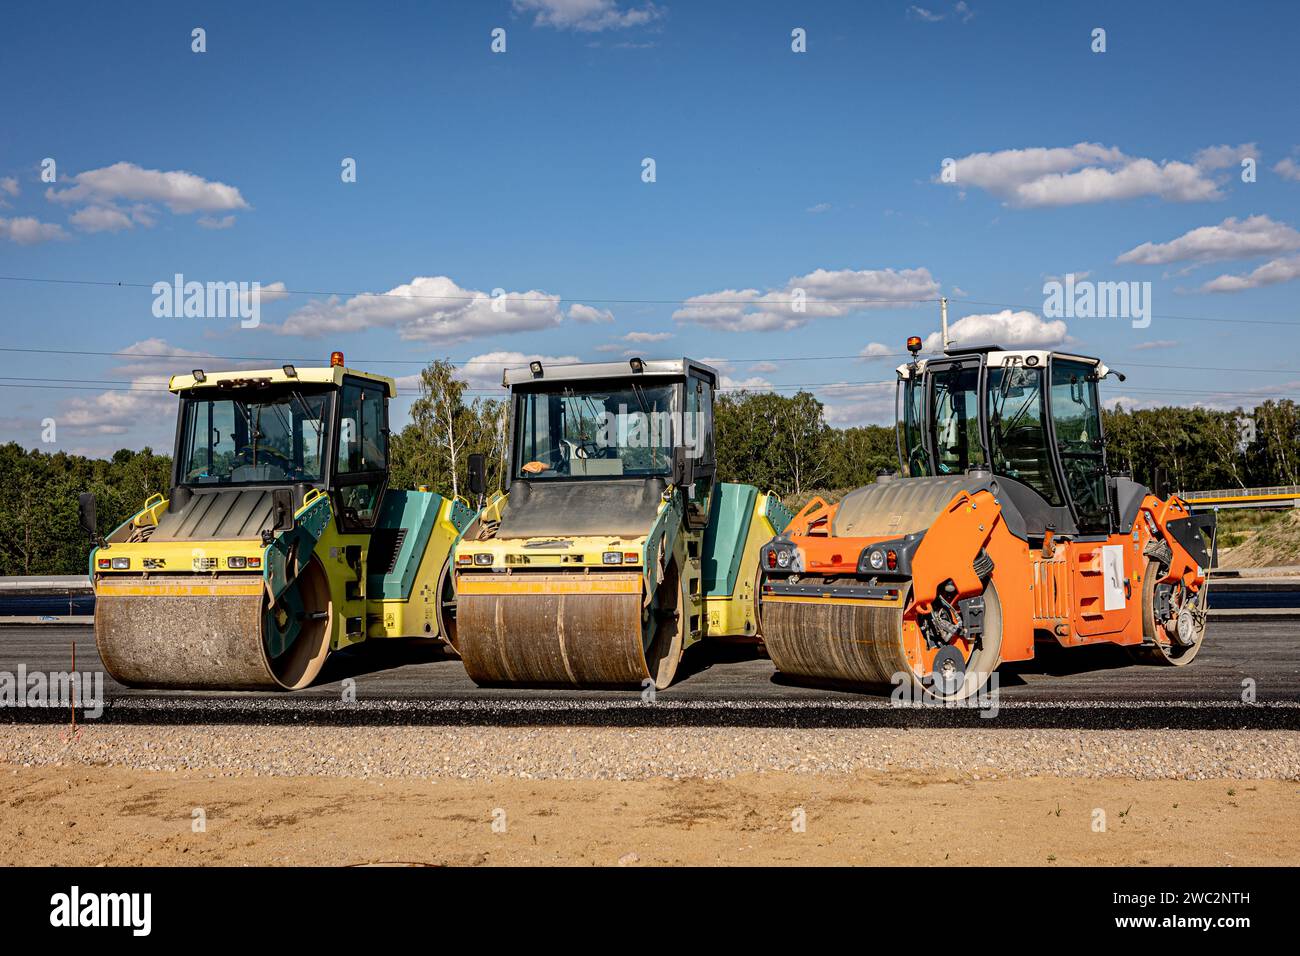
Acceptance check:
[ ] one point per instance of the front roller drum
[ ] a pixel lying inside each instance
(571, 630)
(872, 645)
(206, 633)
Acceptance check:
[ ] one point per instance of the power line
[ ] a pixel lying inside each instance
(689, 301)
(280, 360)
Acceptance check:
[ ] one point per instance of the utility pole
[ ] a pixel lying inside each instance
(943, 319)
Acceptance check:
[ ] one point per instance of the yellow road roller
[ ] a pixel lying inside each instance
(278, 542)
(611, 547)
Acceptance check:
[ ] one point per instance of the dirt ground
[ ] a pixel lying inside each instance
(120, 816)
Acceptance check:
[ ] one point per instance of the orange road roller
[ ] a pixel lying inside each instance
(1004, 527)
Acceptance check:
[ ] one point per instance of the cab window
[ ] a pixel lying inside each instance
(956, 422)
(1076, 418)
(361, 461)
(911, 413)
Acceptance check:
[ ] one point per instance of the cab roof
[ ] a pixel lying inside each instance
(997, 357)
(652, 368)
(328, 375)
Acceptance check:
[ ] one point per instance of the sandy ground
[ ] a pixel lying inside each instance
(64, 815)
(117, 796)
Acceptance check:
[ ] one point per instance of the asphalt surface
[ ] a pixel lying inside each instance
(412, 683)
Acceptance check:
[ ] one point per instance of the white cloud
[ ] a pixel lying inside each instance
(610, 347)
(763, 368)
(820, 207)
(267, 293)
(921, 13)
(107, 217)
(585, 313)
(1155, 344)
(146, 408)
(212, 222)
(1270, 273)
(484, 371)
(828, 294)
(117, 412)
(100, 219)
(641, 337)
(587, 16)
(1221, 157)
(961, 11)
(1013, 330)
(1288, 168)
(1082, 173)
(181, 192)
(877, 350)
(1231, 239)
(154, 361)
(428, 309)
(27, 231)
(728, 379)
(9, 185)
(850, 404)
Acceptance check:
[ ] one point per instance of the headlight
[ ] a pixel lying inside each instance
(483, 558)
(783, 559)
(612, 557)
(876, 559)
(121, 564)
(236, 561)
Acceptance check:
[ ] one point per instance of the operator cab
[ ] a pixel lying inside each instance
(287, 428)
(1029, 415)
(643, 421)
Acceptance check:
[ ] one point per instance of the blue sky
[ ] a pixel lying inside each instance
(522, 170)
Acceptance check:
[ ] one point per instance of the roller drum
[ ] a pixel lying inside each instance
(569, 630)
(205, 633)
(860, 644)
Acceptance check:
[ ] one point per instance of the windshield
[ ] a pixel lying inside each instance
(1018, 429)
(263, 435)
(590, 431)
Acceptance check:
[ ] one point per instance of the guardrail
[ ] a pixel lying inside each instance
(65, 599)
(1274, 496)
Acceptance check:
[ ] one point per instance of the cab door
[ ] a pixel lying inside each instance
(697, 434)
(1103, 567)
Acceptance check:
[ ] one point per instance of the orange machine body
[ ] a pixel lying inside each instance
(1055, 589)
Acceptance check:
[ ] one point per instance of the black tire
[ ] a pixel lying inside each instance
(1158, 648)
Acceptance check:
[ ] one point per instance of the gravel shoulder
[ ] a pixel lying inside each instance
(589, 795)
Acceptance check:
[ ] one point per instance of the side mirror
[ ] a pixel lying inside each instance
(86, 514)
(282, 509)
(477, 474)
(683, 467)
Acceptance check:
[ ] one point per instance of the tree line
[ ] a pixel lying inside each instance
(777, 442)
